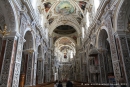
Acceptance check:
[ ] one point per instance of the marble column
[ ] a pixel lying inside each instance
(51, 40)
(43, 71)
(39, 71)
(114, 56)
(123, 47)
(9, 60)
(2, 50)
(29, 73)
(102, 67)
(17, 64)
(35, 68)
(78, 40)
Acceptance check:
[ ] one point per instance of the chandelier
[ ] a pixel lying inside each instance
(4, 32)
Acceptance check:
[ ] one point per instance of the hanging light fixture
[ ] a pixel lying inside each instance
(4, 32)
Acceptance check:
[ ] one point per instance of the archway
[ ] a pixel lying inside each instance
(26, 55)
(65, 49)
(64, 52)
(3, 42)
(107, 73)
(123, 39)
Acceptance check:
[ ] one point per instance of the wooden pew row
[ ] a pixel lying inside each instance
(91, 86)
(44, 84)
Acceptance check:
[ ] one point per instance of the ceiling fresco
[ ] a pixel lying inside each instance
(64, 8)
(48, 5)
(65, 41)
(64, 29)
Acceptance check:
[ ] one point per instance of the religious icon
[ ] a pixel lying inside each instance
(47, 6)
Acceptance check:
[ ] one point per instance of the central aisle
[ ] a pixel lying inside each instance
(64, 84)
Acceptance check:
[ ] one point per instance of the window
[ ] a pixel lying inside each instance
(96, 4)
(87, 19)
(82, 32)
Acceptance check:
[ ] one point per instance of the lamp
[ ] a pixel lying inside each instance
(4, 32)
(30, 51)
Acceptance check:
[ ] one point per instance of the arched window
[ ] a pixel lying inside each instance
(87, 20)
(82, 32)
(96, 4)
(34, 3)
(71, 54)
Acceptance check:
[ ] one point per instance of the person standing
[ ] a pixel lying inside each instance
(69, 84)
(60, 84)
(56, 83)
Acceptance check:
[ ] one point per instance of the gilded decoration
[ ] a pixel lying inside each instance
(64, 8)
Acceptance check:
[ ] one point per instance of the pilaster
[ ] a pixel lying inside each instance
(115, 60)
(17, 65)
(9, 59)
(123, 51)
(30, 67)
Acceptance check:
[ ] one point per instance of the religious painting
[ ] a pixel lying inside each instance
(82, 4)
(47, 6)
(64, 8)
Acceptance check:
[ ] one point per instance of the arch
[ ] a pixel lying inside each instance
(99, 35)
(105, 53)
(68, 46)
(26, 58)
(9, 13)
(68, 23)
(121, 24)
(28, 29)
(66, 37)
(102, 36)
(121, 15)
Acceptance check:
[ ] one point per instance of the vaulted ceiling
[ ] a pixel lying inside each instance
(65, 12)
(65, 20)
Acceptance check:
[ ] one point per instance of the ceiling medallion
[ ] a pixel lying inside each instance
(64, 8)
